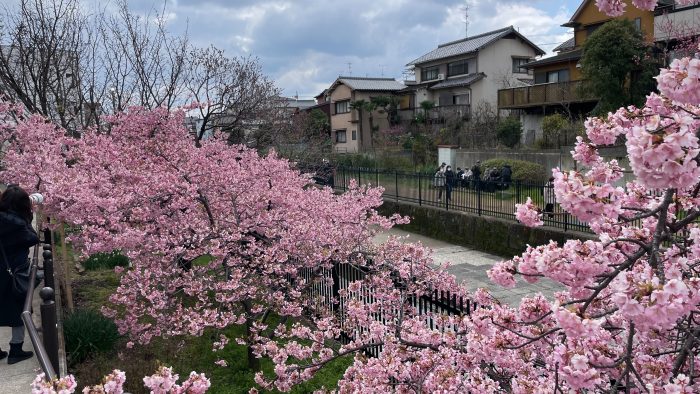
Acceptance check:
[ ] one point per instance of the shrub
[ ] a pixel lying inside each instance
(106, 261)
(87, 333)
(509, 132)
(524, 171)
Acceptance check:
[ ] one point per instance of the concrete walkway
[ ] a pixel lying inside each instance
(470, 266)
(16, 378)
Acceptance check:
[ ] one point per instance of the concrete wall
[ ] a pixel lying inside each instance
(502, 237)
(549, 159)
(532, 128)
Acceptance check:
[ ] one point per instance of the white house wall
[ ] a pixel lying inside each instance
(672, 24)
(496, 61)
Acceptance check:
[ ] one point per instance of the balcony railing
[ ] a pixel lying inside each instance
(543, 94)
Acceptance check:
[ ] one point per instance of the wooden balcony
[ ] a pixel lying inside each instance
(543, 94)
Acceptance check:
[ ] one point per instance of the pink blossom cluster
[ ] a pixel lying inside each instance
(617, 7)
(162, 382)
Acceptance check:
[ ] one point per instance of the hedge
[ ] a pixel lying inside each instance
(524, 171)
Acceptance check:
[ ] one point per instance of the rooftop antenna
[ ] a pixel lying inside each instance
(349, 68)
(381, 68)
(466, 18)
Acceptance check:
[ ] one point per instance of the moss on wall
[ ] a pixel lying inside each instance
(501, 237)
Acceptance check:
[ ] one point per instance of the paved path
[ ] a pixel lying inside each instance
(16, 378)
(470, 266)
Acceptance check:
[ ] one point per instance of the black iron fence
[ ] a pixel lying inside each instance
(327, 293)
(482, 197)
(45, 346)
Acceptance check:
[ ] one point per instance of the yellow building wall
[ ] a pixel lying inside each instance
(574, 73)
(590, 15)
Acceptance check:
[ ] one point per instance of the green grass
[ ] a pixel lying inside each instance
(184, 354)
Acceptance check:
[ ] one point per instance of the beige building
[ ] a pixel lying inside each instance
(349, 133)
(459, 75)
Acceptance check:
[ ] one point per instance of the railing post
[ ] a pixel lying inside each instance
(376, 175)
(49, 326)
(566, 221)
(517, 192)
(396, 183)
(478, 198)
(359, 176)
(420, 202)
(48, 268)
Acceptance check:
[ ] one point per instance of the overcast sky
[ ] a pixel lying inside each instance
(305, 44)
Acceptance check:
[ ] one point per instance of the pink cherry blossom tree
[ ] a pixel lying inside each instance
(626, 321)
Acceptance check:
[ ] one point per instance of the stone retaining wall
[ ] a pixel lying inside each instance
(488, 234)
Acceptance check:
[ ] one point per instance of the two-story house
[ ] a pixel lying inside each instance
(459, 75)
(557, 78)
(352, 129)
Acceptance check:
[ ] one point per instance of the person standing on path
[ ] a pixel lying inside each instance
(549, 198)
(16, 237)
(476, 175)
(450, 178)
(439, 181)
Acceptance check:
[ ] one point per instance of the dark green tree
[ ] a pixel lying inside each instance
(618, 66)
(509, 132)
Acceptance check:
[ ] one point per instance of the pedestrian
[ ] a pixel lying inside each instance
(549, 197)
(460, 177)
(476, 175)
(439, 181)
(16, 237)
(506, 176)
(450, 178)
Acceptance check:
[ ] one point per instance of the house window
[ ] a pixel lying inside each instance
(460, 99)
(354, 135)
(340, 136)
(558, 76)
(429, 73)
(591, 28)
(638, 24)
(458, 68)
(342, 107)
(518, 63)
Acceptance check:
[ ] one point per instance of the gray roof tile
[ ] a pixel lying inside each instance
(461, 81)
(566, 45)
(372, 84)
(469, 44)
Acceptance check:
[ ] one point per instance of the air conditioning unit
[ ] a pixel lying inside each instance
(441, 77)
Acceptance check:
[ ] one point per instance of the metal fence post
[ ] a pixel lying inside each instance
(420, 202)
(396, 183)
(478, 198)
(566, 221)
(48, 268)
(359, 176)
(49, 325)
(517, 192)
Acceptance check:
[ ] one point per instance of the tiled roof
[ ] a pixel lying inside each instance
(562, 57)
(470, 44)
(461, 81)
(566, 45)
(372, 84)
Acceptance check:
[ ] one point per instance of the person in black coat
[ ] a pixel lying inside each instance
(476, 175)
(16, 237)
(450, 179)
